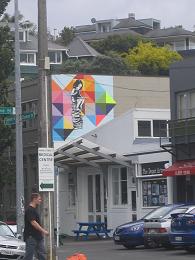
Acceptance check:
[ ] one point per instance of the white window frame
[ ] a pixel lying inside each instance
(152, 127)
(119, 186)
(56, 52)
(26, 63)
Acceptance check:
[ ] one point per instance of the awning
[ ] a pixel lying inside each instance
(180, 168)
(82, 152)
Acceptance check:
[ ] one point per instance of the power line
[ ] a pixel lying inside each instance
(117, 86)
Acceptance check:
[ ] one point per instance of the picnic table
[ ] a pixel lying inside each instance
(87, 228)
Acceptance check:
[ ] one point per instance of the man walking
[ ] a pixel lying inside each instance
(33, 231)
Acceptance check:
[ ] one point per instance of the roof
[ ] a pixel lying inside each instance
(85, 28)
(130, 23)
(82, 152)
(32, 44)
(172, 31)
(99, 36)
(79, 48)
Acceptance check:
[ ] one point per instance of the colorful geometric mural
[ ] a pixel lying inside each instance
(79, 104)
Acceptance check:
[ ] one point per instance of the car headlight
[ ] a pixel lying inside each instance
(136, 228)
(22, 247)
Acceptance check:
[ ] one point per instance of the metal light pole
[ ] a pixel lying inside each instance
(19, 142)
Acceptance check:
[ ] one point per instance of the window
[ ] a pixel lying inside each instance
(152, 128)
(71, 190)
(28, 58)
(144, 128)
(154, 192)
(21, 36)
(119, 186)
(55, 57)
(27, 107)
(133, 200)
(159, 128)
(179, 46)
(186, 105)
(192, 105)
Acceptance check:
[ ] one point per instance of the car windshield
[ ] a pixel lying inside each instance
(5, 230)
(159, 212)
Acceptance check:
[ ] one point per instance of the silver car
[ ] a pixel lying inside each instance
(156, 230)
(10, 246)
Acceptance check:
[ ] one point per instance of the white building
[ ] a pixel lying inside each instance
(113, 173)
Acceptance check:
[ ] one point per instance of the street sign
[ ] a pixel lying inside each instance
(25, 116)
(46, 169)
(7, 111)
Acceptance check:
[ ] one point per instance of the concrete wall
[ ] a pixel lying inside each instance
(141, 92)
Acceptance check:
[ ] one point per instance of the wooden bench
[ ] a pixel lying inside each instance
(96, 228)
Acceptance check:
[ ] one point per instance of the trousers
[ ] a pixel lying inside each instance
(34, 248)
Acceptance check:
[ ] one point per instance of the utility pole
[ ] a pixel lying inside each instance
(19, 142)
(44, 132)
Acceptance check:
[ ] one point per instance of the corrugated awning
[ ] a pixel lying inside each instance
(83, 152)
(180, 168)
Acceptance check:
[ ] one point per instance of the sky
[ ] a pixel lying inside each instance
(62, 13)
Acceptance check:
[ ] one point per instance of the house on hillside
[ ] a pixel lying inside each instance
(178, 38)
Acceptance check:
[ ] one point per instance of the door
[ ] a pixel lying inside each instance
(97, 204)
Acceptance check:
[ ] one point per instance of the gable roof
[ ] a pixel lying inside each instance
(101, 36)
(79, 48)
(172, 31)
(130, 23)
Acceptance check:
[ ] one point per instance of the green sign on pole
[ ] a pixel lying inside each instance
(7, 111)
(25, 116)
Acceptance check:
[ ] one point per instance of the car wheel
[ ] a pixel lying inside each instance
(150, 244)
(129, 246)
(190, 249)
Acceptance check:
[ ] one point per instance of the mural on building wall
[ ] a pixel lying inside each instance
(80, 103)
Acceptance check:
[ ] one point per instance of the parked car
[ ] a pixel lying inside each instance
(157, 230)
(183, 230)
(10, 246)
(131, 234)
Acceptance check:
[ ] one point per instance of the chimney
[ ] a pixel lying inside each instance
(131, 16)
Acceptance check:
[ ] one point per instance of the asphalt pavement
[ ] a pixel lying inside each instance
(106, 249)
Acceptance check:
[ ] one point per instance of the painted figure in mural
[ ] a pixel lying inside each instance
(77, 104)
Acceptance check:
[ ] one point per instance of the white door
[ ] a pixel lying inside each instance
(97, 204)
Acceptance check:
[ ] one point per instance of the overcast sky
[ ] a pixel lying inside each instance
(79, 12)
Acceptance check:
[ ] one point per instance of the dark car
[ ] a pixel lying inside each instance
(183, 230)
(131, 234)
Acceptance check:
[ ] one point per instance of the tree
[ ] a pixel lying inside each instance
(25, 24)
(150, 59)
(6, 68)
(3, 4)
(66, 35)
(99, 65)
(115, 43)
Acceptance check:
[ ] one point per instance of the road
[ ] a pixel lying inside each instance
(105, 249)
